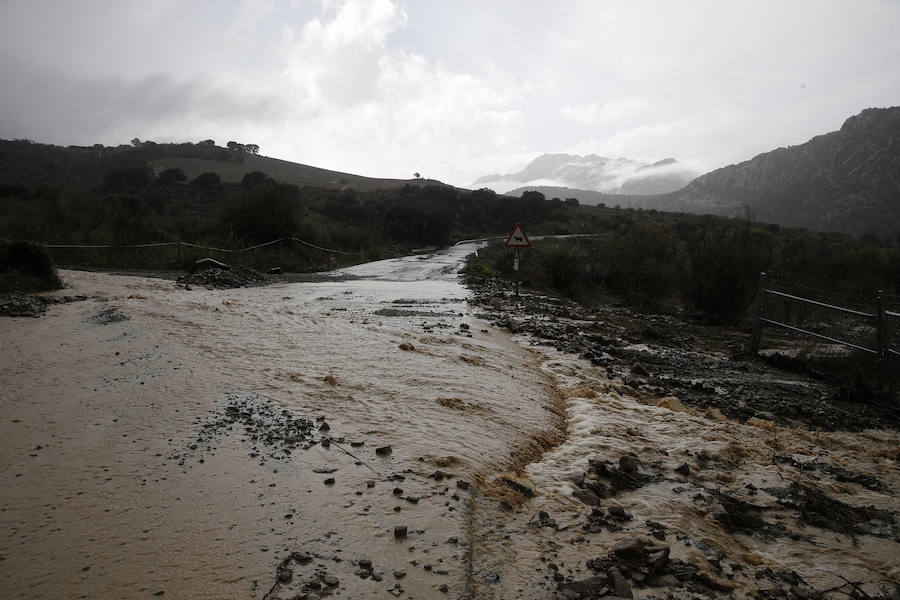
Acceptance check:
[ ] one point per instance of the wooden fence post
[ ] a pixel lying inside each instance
(760, 313)
(881, 343)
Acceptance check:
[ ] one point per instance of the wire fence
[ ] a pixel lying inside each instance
(289, 253)
(868, 327)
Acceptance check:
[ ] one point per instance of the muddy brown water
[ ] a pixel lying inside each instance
(147, 457)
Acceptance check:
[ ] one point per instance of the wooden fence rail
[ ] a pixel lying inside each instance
(879, 317)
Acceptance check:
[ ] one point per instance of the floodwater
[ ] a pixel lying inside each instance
(125, 471)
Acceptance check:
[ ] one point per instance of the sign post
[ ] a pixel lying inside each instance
(517, 239)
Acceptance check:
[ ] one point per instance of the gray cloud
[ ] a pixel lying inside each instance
(454, 89)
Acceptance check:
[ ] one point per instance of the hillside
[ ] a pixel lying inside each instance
(846, 180)
(281, 170)
(24, 163)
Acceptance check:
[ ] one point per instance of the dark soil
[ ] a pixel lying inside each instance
(16, 304)
(236, 277)
(664, 355)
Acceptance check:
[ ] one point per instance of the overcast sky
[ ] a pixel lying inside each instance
(453, 89)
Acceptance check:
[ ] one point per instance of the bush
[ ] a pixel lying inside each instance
(725, 262)
(26, 267)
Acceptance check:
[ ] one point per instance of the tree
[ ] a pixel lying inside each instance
(207, 181)
(253, 178)
(417, 175)
(235, 146)
(251, 149)
(208, 143)
(170, 176)
(128, 179)
(136, 142)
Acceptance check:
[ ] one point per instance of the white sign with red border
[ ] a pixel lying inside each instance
(517, 238)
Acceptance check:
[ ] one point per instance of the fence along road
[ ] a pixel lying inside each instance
(879, 317)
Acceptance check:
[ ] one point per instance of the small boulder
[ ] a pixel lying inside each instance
(631, 549)
(628, 464)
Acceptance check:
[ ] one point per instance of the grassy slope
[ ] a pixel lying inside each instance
(281, 170)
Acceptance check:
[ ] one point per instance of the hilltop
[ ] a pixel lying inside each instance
(25, 163)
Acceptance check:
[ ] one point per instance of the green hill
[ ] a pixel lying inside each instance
(30, 164)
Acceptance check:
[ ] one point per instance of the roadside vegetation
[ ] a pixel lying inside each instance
(99, 196)
(122, 196)
(705, 266)
(26, 267)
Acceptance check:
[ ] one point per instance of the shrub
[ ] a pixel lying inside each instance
(725, 262)
(26, 267)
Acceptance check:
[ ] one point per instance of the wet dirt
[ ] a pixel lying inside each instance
(686, 472)
(703, 366)
(190, 449)
(369, 436)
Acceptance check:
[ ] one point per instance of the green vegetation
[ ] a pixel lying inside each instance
(26, 267)
(148, 193)
(138, 195)
(708, 266)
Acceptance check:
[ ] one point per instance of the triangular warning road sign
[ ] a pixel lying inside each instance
(518, 237)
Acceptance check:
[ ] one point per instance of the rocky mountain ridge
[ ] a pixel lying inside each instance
(847, 180)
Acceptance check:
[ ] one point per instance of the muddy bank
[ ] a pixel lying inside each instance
(661, 356)
(686, 472)
(14, 304)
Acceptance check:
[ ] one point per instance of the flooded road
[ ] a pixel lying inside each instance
(123, 475)
(370, 437)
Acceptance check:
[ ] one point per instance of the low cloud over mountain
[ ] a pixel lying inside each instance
(596, 173)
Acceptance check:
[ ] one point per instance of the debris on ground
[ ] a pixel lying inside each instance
(234, 277)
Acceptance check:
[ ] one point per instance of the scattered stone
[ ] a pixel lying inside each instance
(628, 464)
(285, 575)
(718, 512)
(330, 580)
(594, 587)
(370, 483)
(620, 584)
(400, 531)
(329, 481)
(462, 484)
(684, 469)
(619, 513)
(383, 450)
(587, 497)
(108, 316)
(631, 549)
(220, 278)
(399, 574)
(21, 305)
(407, 347)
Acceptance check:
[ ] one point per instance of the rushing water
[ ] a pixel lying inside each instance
(102, 495)
(121, 475)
